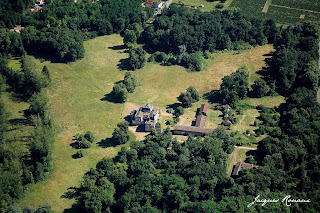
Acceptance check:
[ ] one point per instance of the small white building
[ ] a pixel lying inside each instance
(157, 4)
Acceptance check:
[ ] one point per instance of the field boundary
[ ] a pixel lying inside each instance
(266, 6)
(293, 8)
(227, 4)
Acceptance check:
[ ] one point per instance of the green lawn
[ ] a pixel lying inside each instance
(76, 105)
(246, 120)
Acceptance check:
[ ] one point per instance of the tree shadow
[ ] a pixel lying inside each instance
(128, 119)
(75, 156)
(16, 94)
(124, 64)
(74, 209)
(213, 96)
(73, 193)
(140, 129)
(270, 54)
(108, 142)
(42, 56)
(110, 98)
(118, 47)
(173, 106)
(74, 145)
(19, 121)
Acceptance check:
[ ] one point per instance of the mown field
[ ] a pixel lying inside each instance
(78, 104)
(208, 5)
(292, 11)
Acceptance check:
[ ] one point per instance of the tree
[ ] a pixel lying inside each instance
(235, 86)
(259, 88)
(194, 61)
(120, 93)
(189, 97)
(129, 37)
(179, 111)
(185, 99)
(39, 104)
(137, 58)
(83, 142)
(89, 136)
(130, 81)
(120, 134)
(3, 119)
(104, 27)
(46, 73)
(194, 94)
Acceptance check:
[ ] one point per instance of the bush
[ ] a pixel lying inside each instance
(219, 6)
(120, 134)
(259, 88)
(130, 81)
(169, 122)
(120, 93)
(207, 54)
(179, 111)
(89, 136)
(137, 58)
(82, 142)
(170, 110)
(250, 159)
(193, 61)
(189, 97)
(80, 153)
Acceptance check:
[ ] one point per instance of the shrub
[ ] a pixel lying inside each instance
(80, 153)
(207, 54)
(219, 6)
(170, 110)
(82, 142)
(169, 122)
(179, 111)
(89, 136)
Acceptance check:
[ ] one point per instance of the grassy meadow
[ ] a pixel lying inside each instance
(78, 103)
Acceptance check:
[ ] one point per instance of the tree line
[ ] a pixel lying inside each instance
(22, 165)
(58, 31)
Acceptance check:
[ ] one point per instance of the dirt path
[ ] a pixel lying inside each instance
(318, 95)
(245, 147)
(266, 6)
(293, 8)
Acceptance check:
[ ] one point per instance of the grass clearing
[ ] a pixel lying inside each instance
(238, 155)
(267, 101)
(208, 6)
(246, 120)
(76, 105)
(266, 6)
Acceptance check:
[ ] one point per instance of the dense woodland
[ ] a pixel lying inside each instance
(188, 36)
(58, 31)
(159, 174)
